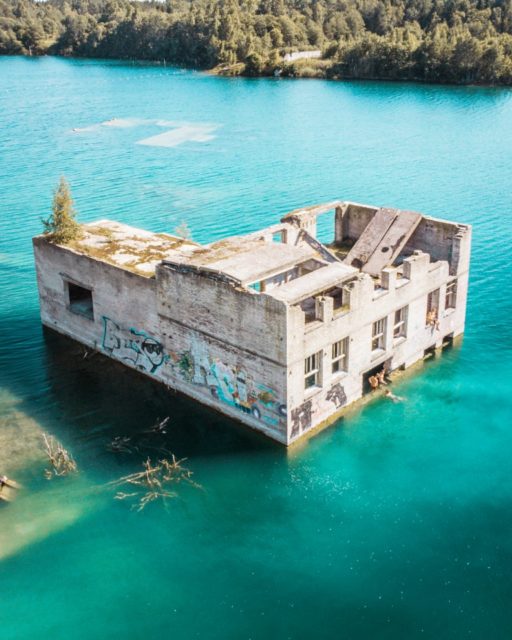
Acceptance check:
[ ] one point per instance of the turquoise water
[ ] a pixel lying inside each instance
(394, 523)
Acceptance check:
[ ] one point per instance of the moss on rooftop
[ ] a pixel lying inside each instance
(113, 245)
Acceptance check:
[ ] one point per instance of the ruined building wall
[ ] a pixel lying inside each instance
(243, 352)
(191, 345)
(226, 347)
(120, 299)
(443, 241)
(354, 220)
(310, 407)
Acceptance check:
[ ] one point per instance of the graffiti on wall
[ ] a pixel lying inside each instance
(225, 383)
(231, 385)
(337, 395)
(130, 345)
(301, 418)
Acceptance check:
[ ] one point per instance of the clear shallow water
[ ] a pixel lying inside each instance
(395, 523)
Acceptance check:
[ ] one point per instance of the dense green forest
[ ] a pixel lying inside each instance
(461, 41)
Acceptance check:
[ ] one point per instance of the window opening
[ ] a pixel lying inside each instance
(80, 300)
(432, 317)
(340, 356)
(379, 334)
(451, 295)
(400, 326)
(279, 236)
(312, 370)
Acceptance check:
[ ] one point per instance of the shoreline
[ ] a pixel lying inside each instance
(237, 71)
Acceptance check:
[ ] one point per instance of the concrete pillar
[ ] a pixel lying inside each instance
(362, 292)
(324, 308)
(388, 278)
(339, 224)
(416, 264)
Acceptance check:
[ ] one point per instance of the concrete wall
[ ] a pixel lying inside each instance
(309, 407)
(355, 218)
(442, 241)
(228, 314)
(118, 295)
(227, 345)
(194, 334)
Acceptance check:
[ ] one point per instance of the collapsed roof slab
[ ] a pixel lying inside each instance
(394, 240)
(382, 240)
(258, 260)
(313, 283)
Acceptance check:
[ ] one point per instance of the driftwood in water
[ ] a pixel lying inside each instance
(61, 461)
(154, 482)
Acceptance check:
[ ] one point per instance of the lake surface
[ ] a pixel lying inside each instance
(393, 523)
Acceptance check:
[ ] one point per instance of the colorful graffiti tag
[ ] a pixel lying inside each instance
(230, 385)
(130, 345)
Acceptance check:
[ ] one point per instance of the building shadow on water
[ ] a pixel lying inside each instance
(101, 399)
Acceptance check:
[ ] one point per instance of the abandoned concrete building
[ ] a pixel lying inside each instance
(275, 328)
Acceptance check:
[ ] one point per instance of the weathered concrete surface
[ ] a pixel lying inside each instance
(233, 324)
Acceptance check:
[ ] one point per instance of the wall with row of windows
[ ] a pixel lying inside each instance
(339, 351)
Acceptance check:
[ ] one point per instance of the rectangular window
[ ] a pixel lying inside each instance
(400, 326)
(340, 356)
(279, 236)
(451, 295)
(312, 370)
(379, 335)
(80, 300)
(432, 317)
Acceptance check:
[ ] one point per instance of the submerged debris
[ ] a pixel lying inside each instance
(61, 461)
(153, 482)
(159, 426)
(122, 444)
(127, 444)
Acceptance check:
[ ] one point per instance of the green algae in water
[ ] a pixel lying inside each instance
(394, 523)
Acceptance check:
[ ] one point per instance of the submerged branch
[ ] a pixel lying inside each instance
(153, 482)
(61, 461)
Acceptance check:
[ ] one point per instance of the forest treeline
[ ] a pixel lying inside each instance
(459, 41)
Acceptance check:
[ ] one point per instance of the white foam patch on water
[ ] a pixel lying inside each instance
(183, 133)
(92, 127)
(125, 123)
(117, 123)
(167, 123)
(179, 132)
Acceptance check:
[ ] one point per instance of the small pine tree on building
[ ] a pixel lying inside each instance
(183, 231)
(61, 226)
